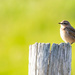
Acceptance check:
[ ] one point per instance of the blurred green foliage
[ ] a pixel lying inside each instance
(24, 22)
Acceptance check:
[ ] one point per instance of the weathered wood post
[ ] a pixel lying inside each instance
(42, 61)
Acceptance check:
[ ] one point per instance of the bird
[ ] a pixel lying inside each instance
(67, 32)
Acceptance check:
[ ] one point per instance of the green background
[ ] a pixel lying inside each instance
(24, 22)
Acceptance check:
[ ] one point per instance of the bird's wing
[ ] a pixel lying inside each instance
(71, 31)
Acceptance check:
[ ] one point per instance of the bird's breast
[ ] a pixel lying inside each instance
(66, 36)
(63, 34)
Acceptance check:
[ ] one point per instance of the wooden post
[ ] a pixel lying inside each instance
(44, 62)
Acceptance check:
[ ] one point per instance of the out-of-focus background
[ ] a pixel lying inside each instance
(24, 22)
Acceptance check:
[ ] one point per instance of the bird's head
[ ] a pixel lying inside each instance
(64, 23)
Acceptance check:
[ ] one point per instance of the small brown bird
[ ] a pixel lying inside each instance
(67, 32)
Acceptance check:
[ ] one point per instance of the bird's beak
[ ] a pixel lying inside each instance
(60, 23)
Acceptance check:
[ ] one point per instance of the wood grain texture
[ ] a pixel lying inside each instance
(44, 62)
(38, 58)
(60, 59)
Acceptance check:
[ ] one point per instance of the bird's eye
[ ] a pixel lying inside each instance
(65, 23)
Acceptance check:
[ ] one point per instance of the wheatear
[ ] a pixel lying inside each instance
(67, 32)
